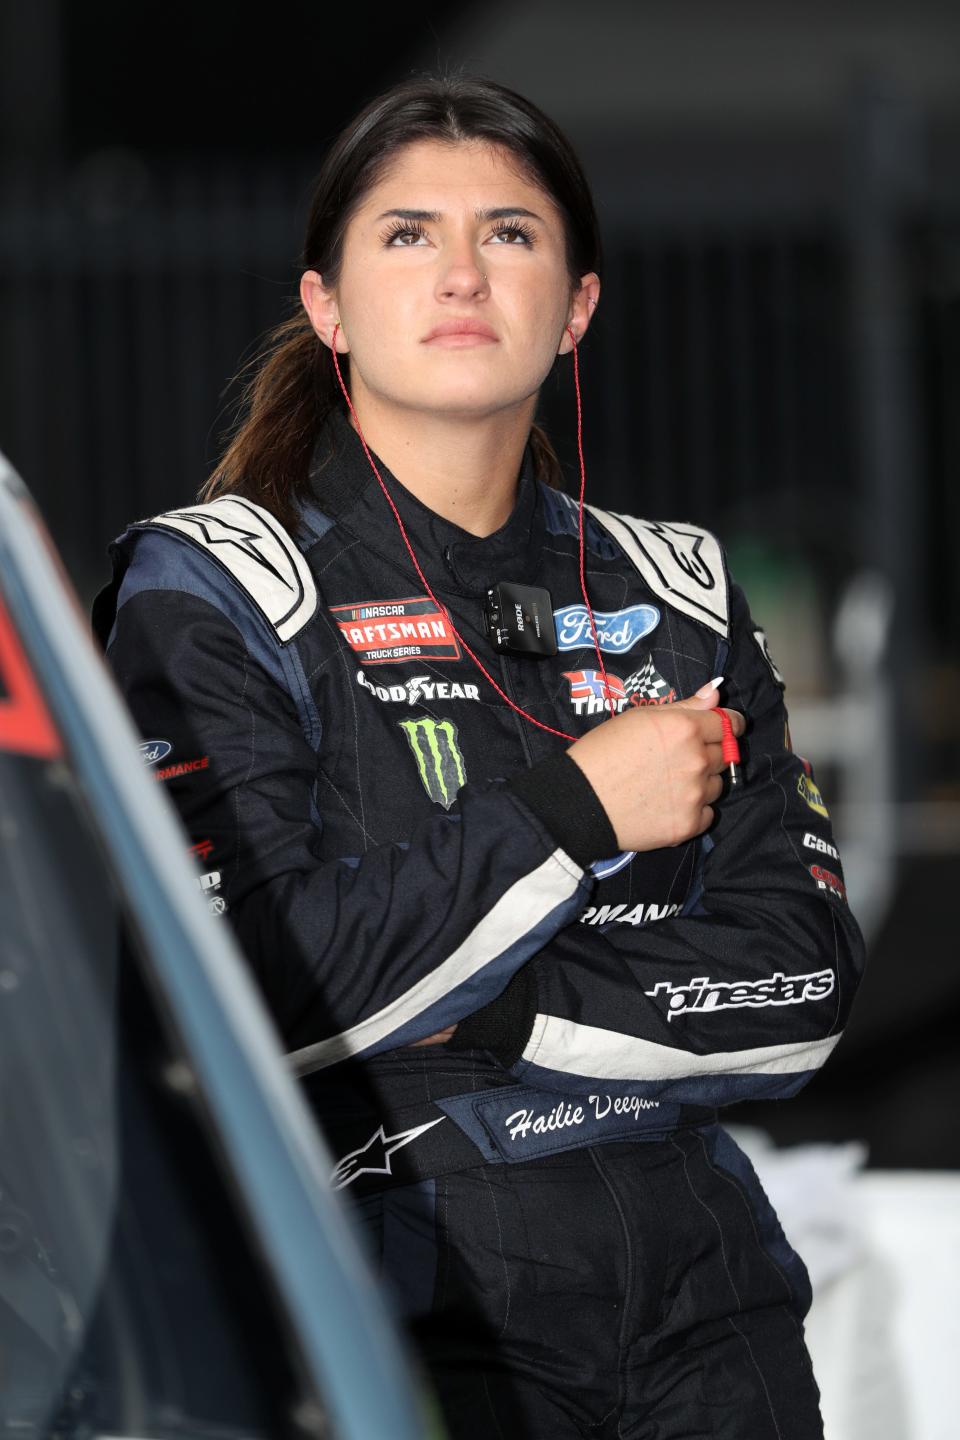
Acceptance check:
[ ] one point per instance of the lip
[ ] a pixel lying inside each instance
(461, 332)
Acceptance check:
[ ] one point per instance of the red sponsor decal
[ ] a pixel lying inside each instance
(182, 767)
(202, 850)
(828, 881)
(383, 632)
(25, 723)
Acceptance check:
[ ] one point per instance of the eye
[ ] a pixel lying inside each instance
(404, 232)
(514, 232)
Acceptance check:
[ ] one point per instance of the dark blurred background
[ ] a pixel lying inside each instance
(776, 356)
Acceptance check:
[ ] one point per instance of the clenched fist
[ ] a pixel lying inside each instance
(657, 769)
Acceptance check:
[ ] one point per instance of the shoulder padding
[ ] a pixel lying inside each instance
(681, 564)
(253, 548)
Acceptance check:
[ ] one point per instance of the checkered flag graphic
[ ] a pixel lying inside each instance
(647, 686)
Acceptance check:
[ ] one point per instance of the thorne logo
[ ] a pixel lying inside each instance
(704, 994)
(419, 688)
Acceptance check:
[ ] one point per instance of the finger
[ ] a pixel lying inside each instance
(737, 721)
(713, 789)
(713, 725)
(705, 698)
(706, 819)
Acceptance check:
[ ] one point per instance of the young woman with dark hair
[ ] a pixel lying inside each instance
(451, 754)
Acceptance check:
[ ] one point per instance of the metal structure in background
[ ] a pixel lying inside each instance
(755, 366)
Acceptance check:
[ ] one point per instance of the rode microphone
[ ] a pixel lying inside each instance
(519, 620)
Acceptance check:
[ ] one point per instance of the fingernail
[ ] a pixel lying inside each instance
(711, 685)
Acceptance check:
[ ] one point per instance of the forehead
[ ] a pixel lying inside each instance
(441, 176)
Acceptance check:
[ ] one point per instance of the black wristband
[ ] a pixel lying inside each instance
(504, 1025)
(562, 798)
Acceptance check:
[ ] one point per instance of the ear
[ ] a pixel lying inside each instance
(323, 309)
(582, 306)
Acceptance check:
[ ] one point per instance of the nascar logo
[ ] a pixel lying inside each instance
(382, 632)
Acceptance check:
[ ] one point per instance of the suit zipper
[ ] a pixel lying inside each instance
(521, 728)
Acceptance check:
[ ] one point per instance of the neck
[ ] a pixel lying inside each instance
(463, 470)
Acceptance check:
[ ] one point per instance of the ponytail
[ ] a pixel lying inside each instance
(284, 403)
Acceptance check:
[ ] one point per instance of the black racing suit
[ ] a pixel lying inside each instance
(577, 1247)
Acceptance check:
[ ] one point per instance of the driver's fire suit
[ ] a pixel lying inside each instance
(576, 1246)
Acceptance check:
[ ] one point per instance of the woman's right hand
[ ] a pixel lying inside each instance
(657, 769)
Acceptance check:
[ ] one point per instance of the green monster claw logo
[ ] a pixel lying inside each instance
(435, 749)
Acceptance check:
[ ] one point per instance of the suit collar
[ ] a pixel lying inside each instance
(345, 487)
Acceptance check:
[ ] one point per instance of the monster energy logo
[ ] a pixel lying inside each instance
(435, 749)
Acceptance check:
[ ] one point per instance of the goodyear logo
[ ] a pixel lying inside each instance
(437, 753)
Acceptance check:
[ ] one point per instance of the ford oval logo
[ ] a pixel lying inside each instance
(153, 750)
(617, 630)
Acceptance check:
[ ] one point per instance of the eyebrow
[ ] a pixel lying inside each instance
(502, 212)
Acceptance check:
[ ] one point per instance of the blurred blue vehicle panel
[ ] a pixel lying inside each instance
(172, 1262)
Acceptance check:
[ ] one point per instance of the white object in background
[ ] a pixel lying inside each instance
(885, 1336)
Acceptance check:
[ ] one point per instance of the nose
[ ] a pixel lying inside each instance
(462, 279)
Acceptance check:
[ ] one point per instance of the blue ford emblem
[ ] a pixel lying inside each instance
(153, 750)
(617, 630)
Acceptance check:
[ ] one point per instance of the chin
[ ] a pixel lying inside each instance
(470, 398)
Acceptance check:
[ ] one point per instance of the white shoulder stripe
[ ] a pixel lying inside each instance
(252, 546)
(682, 564)
(518, 911)
(587, 1050)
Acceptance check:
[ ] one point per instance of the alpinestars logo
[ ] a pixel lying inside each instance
(709, 995)
(373, 1158)
(217, 531)
(439, 761)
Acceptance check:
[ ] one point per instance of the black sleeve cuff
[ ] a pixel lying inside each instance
(504, 1025)
(562, 798)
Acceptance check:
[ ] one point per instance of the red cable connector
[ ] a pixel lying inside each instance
(730, 751)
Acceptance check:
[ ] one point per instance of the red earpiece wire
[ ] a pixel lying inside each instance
(729, 749)
(426, 583)
(583, 488)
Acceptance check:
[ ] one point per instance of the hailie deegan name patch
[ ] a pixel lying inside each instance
(381, 632)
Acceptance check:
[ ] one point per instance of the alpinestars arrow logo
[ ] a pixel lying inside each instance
(374, 1157)
(217, 531)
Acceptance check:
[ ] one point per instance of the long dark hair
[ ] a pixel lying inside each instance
(293, 386)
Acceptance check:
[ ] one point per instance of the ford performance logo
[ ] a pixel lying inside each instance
(617, 630)
(153, 750)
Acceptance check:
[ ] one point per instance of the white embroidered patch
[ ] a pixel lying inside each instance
(761, 639)
(249, 543)
(682, 564)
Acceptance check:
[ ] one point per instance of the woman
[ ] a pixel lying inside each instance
(517, 973)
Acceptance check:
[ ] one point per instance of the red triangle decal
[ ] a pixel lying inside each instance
(25, 723)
